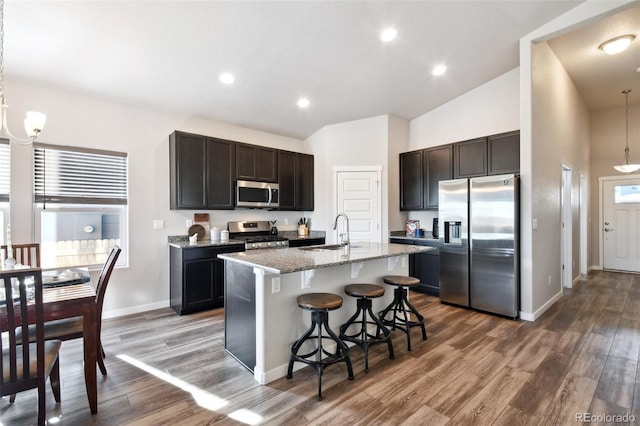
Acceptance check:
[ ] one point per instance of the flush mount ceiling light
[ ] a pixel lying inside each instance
(34, 123)
(439, 70)
(617, 45)
(388, 34)
(226, 78)
(627, 166)
(303, 103)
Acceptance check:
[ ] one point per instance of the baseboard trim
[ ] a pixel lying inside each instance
(532, 316)
(135, 309)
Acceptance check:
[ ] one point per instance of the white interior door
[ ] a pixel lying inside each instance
(621, 224)
(358, 196)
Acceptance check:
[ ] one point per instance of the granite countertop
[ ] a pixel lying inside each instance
(287, 260)
(403, 236)
(181, 241)
(293, 235)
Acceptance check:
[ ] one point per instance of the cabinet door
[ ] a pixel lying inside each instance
(411, 189)
(287, 179)
(504, 153)
(256, 163)
(304, 182)
(426, 267)
(470, 158)
(220, 183)
(437, 166)
(245, 162)
(266, 164)
(199, 278)
(187, 167)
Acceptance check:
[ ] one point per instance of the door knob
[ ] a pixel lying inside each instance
(606, 223)
(608, 229)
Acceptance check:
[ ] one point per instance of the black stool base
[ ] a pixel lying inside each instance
(363, 338)
(314, 358)
(402, 311)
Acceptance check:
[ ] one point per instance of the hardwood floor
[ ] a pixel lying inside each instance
(580, 357)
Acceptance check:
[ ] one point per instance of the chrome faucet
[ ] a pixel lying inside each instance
(344, 242)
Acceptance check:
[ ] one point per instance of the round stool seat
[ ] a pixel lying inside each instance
(319, 301)
(401, 280)
(364, 290)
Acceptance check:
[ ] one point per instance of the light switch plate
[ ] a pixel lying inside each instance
(158, 224)
(534, 224)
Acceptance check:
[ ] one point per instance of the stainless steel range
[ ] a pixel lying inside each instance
(256, 235)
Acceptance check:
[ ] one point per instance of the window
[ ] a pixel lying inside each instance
(5, 185)
(626, 194)
(81, 205)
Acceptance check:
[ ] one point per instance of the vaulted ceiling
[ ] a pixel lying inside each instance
(167, 55)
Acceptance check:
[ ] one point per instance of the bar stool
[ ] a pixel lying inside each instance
(320, 304)
(401, 308)
(362, 337)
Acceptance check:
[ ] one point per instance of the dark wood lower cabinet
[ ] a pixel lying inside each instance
(196, 281)
(424, 266)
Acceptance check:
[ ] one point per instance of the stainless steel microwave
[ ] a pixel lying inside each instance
(257, 194)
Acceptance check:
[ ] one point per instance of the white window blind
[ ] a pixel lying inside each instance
(5, 170)
(79, 176)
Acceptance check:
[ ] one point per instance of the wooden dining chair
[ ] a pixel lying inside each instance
(25, 254)
(71, 328)
(26, 365)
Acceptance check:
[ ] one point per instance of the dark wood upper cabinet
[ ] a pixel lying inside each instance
(187, 167)
(220, 182)
(437, 166)
(504, 153)
(411, 180)
(304, 182)
(295, 177)
(287, 179)
(470, 158)
(256, 163)
(201, 174)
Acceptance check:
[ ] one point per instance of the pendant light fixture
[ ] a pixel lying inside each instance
(34, 123)
(627, 166)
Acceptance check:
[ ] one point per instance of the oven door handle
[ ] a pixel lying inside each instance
(269, 189)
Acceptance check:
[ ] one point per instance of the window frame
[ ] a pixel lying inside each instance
(44, 202)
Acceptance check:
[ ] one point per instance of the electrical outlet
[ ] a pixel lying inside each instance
(534, 224)
(158, 224)
(189, 223)
(275, 285)
(403, 262)
(286, 220)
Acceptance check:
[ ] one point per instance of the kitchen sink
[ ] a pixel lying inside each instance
(328, 247)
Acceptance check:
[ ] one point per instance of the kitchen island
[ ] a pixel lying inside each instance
(262, 317)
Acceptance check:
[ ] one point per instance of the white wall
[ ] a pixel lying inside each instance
(607, 149)
(560, 134)
(486, 110)
(77, 120)
(536, 260)
(366, 142)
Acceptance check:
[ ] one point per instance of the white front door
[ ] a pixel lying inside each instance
(621, 224)
(358, 196)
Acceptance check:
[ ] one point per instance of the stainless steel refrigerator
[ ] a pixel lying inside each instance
(479, 232)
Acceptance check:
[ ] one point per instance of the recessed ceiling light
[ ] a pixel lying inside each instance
(388, 34)
(304, 103)
(617, 45)
(439, 70)
(226, 78)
